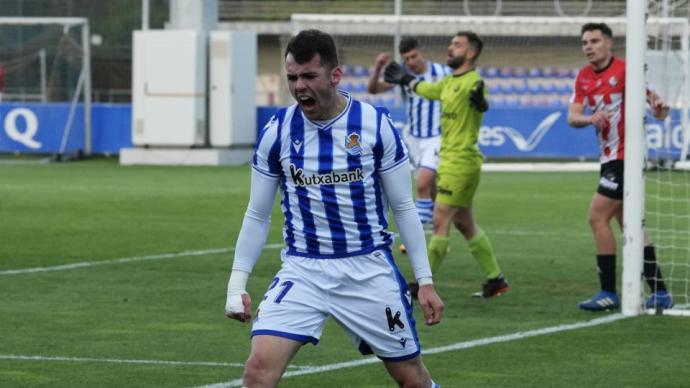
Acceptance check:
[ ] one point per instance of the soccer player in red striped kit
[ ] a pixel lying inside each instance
(600, 87)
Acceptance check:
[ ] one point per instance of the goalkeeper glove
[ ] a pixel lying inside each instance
(395, 74)
(477, 99)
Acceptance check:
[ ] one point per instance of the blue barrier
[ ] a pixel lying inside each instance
(39, 128)
(533, 133)
(505, 133)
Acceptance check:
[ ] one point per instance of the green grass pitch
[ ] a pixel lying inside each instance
(83, 327)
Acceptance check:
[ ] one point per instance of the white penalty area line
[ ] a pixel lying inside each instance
(442, 349)
(162, 256)
(17, 357)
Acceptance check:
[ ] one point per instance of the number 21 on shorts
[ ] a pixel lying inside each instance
(284, 288)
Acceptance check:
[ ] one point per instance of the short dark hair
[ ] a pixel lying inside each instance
(308, 43)
(474, 41)
(408, 43)
(603, 27)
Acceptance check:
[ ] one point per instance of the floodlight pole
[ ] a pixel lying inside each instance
(635, 150)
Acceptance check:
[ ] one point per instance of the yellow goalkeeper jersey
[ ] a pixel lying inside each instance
(460, 122)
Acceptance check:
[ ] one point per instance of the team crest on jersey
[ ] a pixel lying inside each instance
(352, 144)
(613, 81)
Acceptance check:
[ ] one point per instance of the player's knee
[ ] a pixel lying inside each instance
(410, 373)
(258, 371)
(440, 224)
(466, 226)
(461, 226)
(417, 380)
(423, 190)
(597, 220)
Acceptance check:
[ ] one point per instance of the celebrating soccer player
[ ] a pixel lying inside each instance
(463, 103)
(423, 134)
(340, 165)
(600, 86)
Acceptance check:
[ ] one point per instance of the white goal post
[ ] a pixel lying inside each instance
(634, 194)
(83, 87)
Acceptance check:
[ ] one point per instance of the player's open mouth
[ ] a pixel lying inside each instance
(306, 102)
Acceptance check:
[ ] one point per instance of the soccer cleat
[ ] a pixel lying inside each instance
(604, 300)
(414, 289)
(493, 288)
(659, 299)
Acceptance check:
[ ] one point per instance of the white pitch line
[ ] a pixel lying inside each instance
(116, 361)
(532, 233)
(442, 349)
(18, 357)
(162, 256)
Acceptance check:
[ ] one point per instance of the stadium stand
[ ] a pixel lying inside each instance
(508, 86)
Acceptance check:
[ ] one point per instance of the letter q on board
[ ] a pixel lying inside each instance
(27, 136)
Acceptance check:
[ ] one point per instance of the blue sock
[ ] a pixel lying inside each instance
(425, 209)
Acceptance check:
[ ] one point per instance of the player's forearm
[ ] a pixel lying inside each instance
(412, 235)
(256, 222)
(375, 84)
(250, 241)
(577, 117)
(398, 187)
(579, 120)
(428, 90)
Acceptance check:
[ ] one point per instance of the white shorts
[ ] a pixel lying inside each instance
(365, 294)
(424, 151)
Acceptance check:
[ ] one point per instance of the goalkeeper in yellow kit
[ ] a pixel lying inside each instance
(463, 103)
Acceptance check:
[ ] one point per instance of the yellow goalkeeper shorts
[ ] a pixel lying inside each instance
(455, 186)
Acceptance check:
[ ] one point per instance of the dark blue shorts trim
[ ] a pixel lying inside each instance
(295, 337)
(403, 358)
(293, 252)
(427, 168)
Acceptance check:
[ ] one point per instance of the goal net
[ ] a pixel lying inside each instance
(531, 62)
(47, 81)
(667, 179)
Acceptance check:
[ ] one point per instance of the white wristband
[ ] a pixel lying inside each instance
(423, 281)
(236, 287)
(237, 282)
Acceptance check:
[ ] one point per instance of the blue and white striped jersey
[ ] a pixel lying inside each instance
(332, 196)
(424, 116)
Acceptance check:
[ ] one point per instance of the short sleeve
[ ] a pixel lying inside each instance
(266, 159)
(578, 96)
(390, 150)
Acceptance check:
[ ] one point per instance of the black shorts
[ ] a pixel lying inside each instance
(611, 180)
